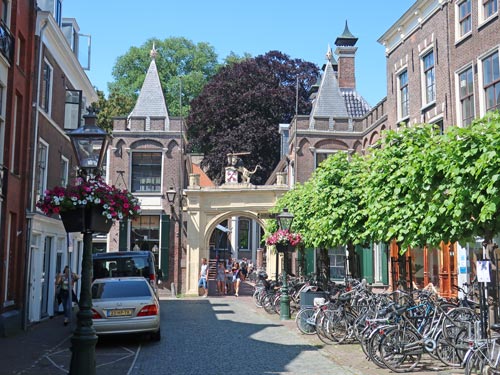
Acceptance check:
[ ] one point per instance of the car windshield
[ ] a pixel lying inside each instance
(120, 289)
(121, 266)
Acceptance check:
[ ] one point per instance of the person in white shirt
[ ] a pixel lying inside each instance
(203, 283)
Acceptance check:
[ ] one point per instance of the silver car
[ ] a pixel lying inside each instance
(125, 305)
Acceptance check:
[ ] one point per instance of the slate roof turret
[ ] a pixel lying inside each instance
(151, 101)
(332, 101)
(329, 101)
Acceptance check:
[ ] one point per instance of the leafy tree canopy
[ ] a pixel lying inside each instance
(404, 174)
(418, 188)
(177, 59)
(241, 107)
(472, 175)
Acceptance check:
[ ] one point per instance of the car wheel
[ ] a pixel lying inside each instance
(156, 336)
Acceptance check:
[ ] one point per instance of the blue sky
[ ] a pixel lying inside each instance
(299, 29)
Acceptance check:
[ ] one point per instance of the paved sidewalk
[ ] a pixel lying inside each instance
(351, 355)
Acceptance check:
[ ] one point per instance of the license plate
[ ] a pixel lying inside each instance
(120, 312)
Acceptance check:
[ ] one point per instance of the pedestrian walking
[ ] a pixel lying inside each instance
(229, 276)
(244, 269)
(203, 283)
(236, 278)
(65, 284)
(221, 278)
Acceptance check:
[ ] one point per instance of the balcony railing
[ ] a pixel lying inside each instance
(6, 42)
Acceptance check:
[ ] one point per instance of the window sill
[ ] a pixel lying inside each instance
(463, 38)
(428, 106)
(487, 21)
(404, 120)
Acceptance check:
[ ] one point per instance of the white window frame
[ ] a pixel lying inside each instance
(482, 18)
(398, 74)
(49, 93)
(249, 232)
(8, 8)
(482, 94)
(426, 101)
(64, 171)
(458, 25)
(42, 179)
(458, 96)
(162, 168)
(335, 254)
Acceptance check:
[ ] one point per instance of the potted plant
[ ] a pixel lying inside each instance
(284, 240)
(89, 205)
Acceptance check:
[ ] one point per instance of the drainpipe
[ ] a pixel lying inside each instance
(27, 263)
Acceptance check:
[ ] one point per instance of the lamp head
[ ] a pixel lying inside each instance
(171, 193)
(285, 219)
(90, 143)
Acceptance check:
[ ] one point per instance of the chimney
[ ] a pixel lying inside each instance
(346, 52)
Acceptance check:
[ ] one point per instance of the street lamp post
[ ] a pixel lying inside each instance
(284, 220)
(171, 193)
(90, 143)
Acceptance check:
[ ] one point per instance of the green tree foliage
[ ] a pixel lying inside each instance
(472, 176)
(418, 187)
(176, 57)
(111, 107)
(241, 107)
(404, 174)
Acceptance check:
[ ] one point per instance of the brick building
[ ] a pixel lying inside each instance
(340, 121)
(17, 24)
(442, 68)
(146, 158)
(61, 93)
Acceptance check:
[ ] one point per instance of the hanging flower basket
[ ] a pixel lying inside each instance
(284, 248)
(85, 219)
(284, 240)
(89, 205)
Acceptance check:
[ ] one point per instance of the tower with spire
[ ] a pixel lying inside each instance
(146, 157)
(346, 52)
(150, 108)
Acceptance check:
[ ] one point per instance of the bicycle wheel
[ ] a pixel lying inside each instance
(477, 362)
(456, 320)
(321, 327)
(400, 350)
(276, 302)
(305, 322)
(446, 352)
(373, 345)
(364, 339)
(256, 298)
(337, 326)
(267, 303)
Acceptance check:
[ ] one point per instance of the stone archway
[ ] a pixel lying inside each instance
(206, 207)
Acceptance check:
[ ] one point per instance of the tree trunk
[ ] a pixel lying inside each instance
(302, 261)
(324, 268)
(353, 264)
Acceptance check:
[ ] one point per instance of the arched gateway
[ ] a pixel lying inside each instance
(208, 206)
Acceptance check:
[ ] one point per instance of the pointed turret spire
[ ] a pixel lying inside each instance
(153, 52)
(328, 100)
(346, 39)
(151, 101)
(329, 53)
